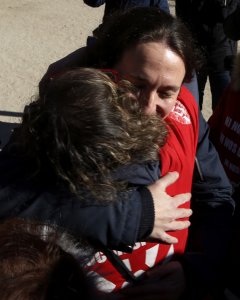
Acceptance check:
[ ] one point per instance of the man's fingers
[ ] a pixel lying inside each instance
(181, 213)
(169, 215)
(178, 225)
(182, 198)
(165, 237)
(173, 225)
(167, 180)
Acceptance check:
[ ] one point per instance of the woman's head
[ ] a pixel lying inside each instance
(38, 263)
(153, 50)
(85, 126)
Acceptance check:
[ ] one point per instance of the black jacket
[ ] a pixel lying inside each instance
(128, 219)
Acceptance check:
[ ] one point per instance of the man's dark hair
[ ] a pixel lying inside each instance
(139, 25)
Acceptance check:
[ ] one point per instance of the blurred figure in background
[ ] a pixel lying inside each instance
(225, 134)
(205, 19)
(112, 6)
(232, 25)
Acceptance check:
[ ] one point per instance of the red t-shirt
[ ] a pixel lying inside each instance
(178, 154)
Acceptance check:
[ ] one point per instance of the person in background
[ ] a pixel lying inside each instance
(43, 262)
(205, 19)
(148, 47)
(225, 134)
(112, 6)
(232, 24)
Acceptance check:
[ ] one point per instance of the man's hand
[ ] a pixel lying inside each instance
(167, 211)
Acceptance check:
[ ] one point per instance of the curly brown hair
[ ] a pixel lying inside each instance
(85, 126)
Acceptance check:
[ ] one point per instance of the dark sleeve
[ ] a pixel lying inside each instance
(211, 186)
(135, 174)
(210, 228)
(94, 3)
(117, 225)
(129, 218)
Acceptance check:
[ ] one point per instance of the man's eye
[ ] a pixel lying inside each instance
(164, 95)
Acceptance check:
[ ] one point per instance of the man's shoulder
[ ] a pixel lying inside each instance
(71, 61)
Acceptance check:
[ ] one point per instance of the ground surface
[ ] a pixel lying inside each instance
(35, 33)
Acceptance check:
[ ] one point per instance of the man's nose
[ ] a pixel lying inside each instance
(152, 101)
